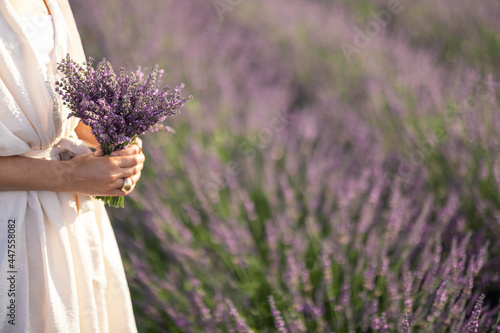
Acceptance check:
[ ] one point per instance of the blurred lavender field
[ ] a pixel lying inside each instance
(337, 171)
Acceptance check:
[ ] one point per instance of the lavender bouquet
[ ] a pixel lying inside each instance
(118, 108)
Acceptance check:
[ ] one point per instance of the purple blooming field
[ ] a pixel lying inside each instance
(338, 169)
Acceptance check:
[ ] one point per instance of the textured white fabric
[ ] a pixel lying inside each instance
(40, 33)
(60, 268)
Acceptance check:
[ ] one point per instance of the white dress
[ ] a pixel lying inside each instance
(60, 267)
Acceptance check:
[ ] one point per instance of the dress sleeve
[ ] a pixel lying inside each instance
(15, 129)
(10, 144)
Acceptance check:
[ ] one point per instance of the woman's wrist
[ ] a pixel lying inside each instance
(21, 173)
(63, 175)
(58, 176)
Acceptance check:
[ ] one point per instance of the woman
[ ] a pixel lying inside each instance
(60, 266)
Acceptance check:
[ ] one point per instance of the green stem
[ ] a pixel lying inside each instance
(111, 201)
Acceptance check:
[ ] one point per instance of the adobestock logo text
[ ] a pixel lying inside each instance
(372, 29)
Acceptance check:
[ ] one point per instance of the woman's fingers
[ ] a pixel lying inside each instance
(135, 178)
(129, 161)
(99, 152)
(129, 172)
(130, 150)
(133, 149)
(120, 181)
(138, 143)
(99, 174)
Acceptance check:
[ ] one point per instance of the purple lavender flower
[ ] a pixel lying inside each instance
(120, 108)
(117, 108)
(405, 324)
(473, 325)
(279, 323)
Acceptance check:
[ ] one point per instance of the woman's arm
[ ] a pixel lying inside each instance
(91, 174)
(87, 174)
(84, 134)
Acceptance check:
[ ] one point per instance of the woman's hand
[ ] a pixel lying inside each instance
(97, 174)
